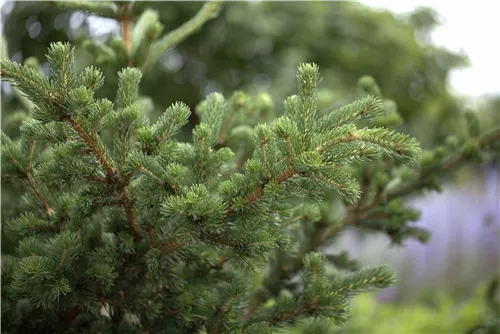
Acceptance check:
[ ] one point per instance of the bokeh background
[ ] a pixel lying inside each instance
(433, 61)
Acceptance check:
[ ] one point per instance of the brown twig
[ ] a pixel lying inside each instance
(129, 211)
(286, 316)
(152, 237)
(259, 192)
(31, 180)
(172, 246)
(101, 156)
(112, 174)
(67, 317)
(221, 310)
(126, 28)
(39, 195)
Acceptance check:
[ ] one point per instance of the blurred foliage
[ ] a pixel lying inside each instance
(439, 314)
(256, 46)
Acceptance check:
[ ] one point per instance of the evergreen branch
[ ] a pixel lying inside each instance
(94, 147)
(62, 68)
(220, 312)
(291, 310)
(284, 317)
(308, 77)
(111, 172)
(39, 195)
(170, 122)
(126, 28)
(259, 192)
(129, 211)
(149, 173)
(395, 144)
(32, 181)
(207, 12)
(172, 246)
(236, 106)
(10, 156)
(30, 81)
(363, 280)
(357, 213)
(419, 182)
(483, 142)
(369, 106)
(128, 87)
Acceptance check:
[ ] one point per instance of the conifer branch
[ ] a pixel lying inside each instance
(304, 309)
(31, 180)
(219, 313)
(101, 156)
(259, 192)
(126, 28)
(151, 232)
(129, 211)
(483, 142)
(419, 182)
(29, 81)
(172, 246)
(28, 173)
(111, 172)
(227, 121)
(186, 210)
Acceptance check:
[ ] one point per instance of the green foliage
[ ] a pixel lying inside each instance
(442, 315)
(123, 227)
(60, 269)
(249, 45)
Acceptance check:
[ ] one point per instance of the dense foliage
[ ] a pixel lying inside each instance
(122, 223)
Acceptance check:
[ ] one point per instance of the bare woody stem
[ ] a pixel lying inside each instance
(126, 28)
(126, 33)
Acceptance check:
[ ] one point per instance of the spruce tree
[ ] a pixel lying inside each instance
(125, 228)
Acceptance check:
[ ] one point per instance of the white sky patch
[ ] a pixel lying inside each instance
(471, 27)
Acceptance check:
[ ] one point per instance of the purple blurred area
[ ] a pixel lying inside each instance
(464, 249)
